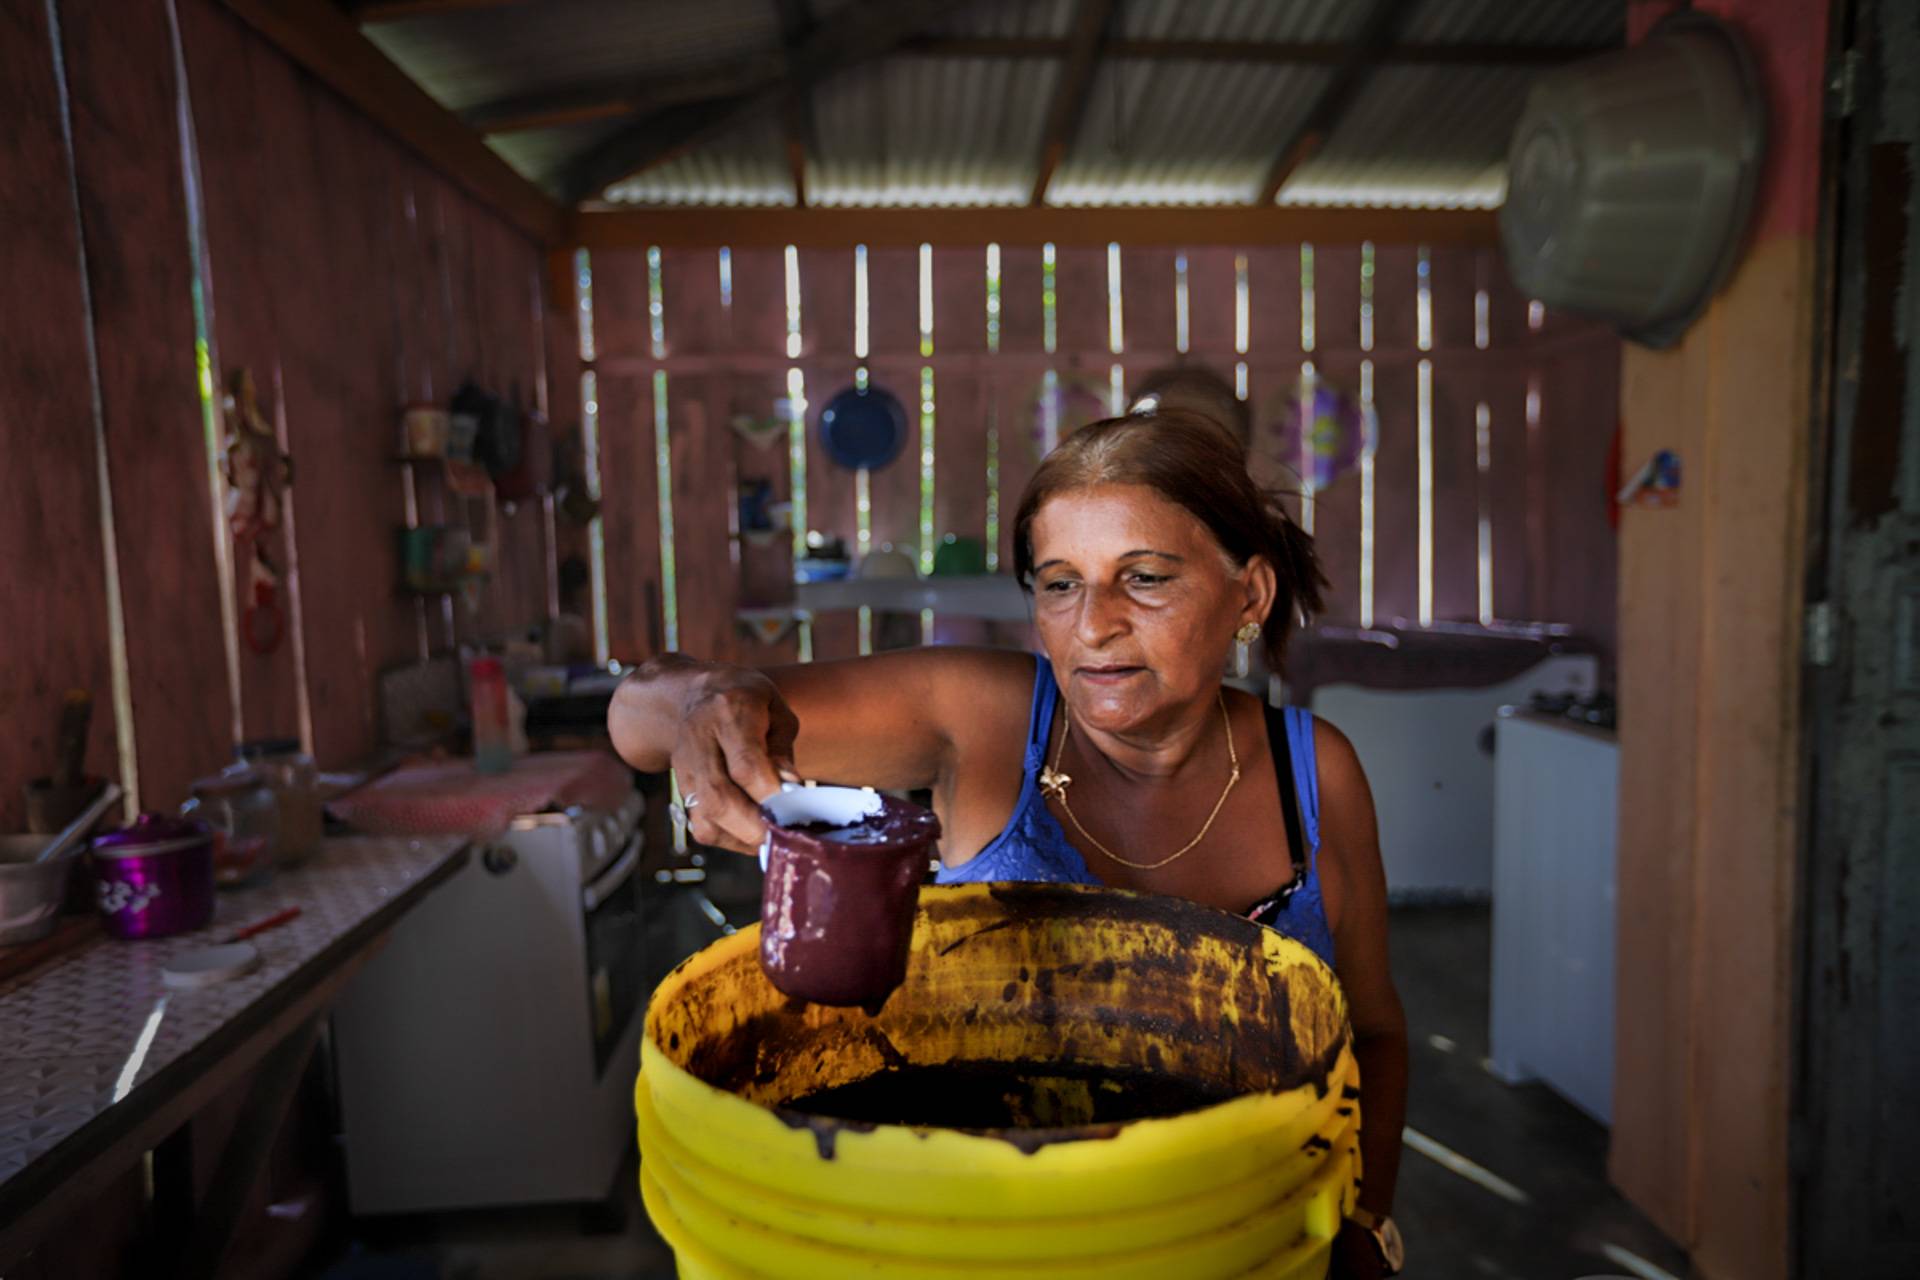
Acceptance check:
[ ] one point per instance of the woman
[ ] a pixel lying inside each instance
(1116, 757)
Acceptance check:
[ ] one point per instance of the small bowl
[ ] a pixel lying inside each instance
(30, 892)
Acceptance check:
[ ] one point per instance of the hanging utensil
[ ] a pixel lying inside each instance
(79, 827)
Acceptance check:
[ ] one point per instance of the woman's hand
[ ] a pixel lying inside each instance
(735, 745)
(726, 733)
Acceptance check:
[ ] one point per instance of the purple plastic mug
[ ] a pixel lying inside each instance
(154, 878)
(844, 869)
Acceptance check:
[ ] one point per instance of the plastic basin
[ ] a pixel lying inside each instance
(1071, 988)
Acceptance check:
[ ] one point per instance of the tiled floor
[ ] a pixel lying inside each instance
(520, 1244)
(1456, 1229)
(1526, 1136)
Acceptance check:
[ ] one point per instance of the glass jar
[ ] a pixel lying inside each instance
(296, 790)
(238, 805)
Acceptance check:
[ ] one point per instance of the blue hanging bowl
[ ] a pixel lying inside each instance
(863, 429)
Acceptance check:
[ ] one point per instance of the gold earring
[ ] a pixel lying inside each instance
(1246, 635)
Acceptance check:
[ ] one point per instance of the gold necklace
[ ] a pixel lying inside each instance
(1054, 783)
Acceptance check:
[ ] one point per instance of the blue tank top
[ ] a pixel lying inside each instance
(1033, 845)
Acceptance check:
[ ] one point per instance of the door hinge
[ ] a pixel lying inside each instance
(1819, 637)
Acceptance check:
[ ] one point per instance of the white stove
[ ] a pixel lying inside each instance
(487, 1055)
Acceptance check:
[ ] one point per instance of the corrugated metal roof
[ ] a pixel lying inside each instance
(1541, 22)
(1430, 135)
(931, 131)
(1182, 132)
(1178, 132)
(1423, 136)
(1328, 20)
(923, 130)
(745, 165)
(1009, 18)
(472, 56)
(543, 154)
(920, 129)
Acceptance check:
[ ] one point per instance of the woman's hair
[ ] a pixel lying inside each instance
(1195, 388)
(1189, 461)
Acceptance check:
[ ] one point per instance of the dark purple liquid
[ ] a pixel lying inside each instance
(1010, 1095)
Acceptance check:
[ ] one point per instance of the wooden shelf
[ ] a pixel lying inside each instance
(995, 596)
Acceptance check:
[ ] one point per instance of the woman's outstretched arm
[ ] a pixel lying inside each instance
(893, 721)
(1350, 854)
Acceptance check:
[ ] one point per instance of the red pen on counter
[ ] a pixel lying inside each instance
(273, 921)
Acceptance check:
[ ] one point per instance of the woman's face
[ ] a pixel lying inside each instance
(1136, 604)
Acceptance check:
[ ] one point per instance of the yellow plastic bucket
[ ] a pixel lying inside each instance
(1090, 980)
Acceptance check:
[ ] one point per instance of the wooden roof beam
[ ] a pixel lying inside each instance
(619, 101)
(860, 31)
(1383, 26)
(1091, 20)
(325, 41)
(796, 25)
(1027, 225)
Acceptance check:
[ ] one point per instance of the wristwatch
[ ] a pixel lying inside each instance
(1387, 1236)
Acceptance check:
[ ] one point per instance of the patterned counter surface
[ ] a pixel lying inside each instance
(93, 1044)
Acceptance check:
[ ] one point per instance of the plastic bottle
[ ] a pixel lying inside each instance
(492, 744)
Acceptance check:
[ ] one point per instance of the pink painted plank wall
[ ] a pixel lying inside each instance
(1016, 382)
(1580, 413)
(53, 569)
(1080, 291)
(960, 327)
(1336, 357)
(140, 283)
(1147, 304)
(707, 567)
(757, 321)
(1210, 295)
(977, 392)
(376, 282)
(338, 269)
(244, 274)
(827, 333)
(893, 292)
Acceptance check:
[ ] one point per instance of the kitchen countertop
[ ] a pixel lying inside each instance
(95, 1050)
(1527, 715)
(444, 796)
